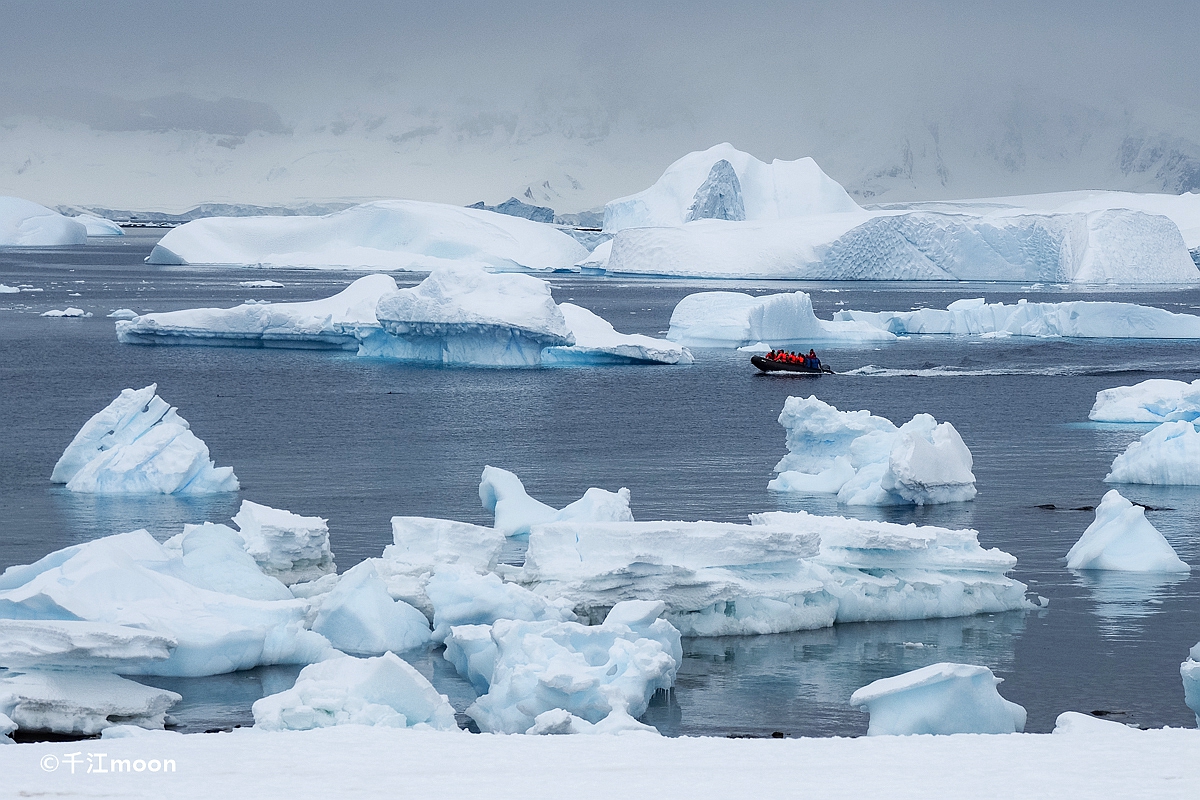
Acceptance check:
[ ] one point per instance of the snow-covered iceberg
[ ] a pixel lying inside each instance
(80, 702)
(27, 224)
(514, 511)
(384, 691)
(1155, 400)
(597, 342)
(288, 546)
(1167, 455)
(1121, 538)
(330, 322)
(940, 699)
(733, 319)
(866, 460)
(1190, 672)
(387, 234)
(1085, 319)
(99, 226)
(138, 444)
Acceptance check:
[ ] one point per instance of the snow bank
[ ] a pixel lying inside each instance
(80, 702)
(138, 444)
(940, 699)
(597, 342)
(1121, 538)
(733, 319)
(388, 234)
(1167, 455)
(1155, 400)
(287, 546)
(26, 224)
(99, 226)
(503, 494)
(78, 643)
(1084, 319)
(866, 460)
(360, 618)
(1190, 672)
(329, 322)
(383, 691)
(726, 184)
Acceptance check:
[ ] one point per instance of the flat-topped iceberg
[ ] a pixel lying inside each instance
(1155, 400)
(70, 643)
(867, 460)
(329, 322)
(1085, 319)
(138, 444)
(1189, 670)
(1168, 455)
(733, 319)
(597, 342)
(514, 511)
(80, 702)
(387, 234)
(1121, 538)
(27, 224)
(940, 699)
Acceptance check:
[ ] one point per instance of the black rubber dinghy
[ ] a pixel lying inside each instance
(771, 365)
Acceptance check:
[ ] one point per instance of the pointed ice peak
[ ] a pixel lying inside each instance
(720, 196)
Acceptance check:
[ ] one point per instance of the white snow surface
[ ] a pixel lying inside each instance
(940, 699)
(359, 617)
(866, 460)
(288, 546)
(1168, 455)
(1086, 319)
(384, 691)
(329, 322)
(1121, 538)
(26, 643)
(80, 702)
(387, 234)
(514, 511)
(597, 342)
(138, 444)
(1154, 400)
(1189, 670)
(27, 224)
(99, 226)
(733, 319)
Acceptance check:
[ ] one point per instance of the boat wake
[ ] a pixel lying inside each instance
(873, 371)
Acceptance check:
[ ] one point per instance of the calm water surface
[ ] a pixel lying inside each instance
(358, 441)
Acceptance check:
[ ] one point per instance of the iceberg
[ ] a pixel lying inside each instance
(69, 312)
(387, 234)
(461, 596)
(1155, 400)
(1121, 538)
(80, 703)
(359, 617)
(503, 494)
(138, 444)
(67, 643)
(27, 224)
(286, 546)
(596, 260)
(216, 559)
(99, 226)
(597, 342)
(939, 699)
(1190, 672)
(1167, 455)
(1084, 319)
(332, 322)
(384, 691)
(866, 460)
(733, 319)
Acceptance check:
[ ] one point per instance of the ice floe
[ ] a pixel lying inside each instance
(940, 699)
(138, 444)
(69, 311)
(82, 702)
(99, 226)
(288, 546)
(733, 319)
(122, 313)
(27, 224)
(79, 643)
(1155, 400)
(1189, 670)
(1166, 455)
(866, 460)
(514, 511)
(1121, 538)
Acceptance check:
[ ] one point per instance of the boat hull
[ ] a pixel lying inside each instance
(769, 365)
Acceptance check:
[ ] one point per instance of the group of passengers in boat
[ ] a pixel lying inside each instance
(809, 361)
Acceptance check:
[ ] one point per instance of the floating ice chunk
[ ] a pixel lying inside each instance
(867, 460)
(138, 444)
(9, 289)
(26, 224)
(598, 258)
(597, 342)
(216, 559)
(1190, 672)
(1121, 538)
(461, 596)
(359, 617)
(387, 234)
(331, 322)
(260, 284)
(123, 313)
(70, 311)
(1155, 400)
(502, 493)
(757, 347)
(733, 319)
(384, 691)
(99, 226)
(940, 699)
(1074, 723)
(7, 726)
(1167, 455)
(80, 702)
(288, 546)
(77, 643)
(473, 653)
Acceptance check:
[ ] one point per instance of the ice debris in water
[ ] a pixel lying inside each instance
(1121, 538)
(138, 444)
(70, 311)
(1155, 400)
(80, 703)
(866, 460)
(1190, 671)
(503, 494)
(940, 699)
(1168, 455)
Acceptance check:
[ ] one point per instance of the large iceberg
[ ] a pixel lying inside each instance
(941, 699)
(514, 511)
(330, 322)
(597, 342)
(1085, 319)
(1155, 400)
(288, 546)
(80, 702)
(866, 460)
(27, 224)
(387, 234)
(138, 444)
(1121, 538)
(1190, 672)
(733, 319)
(1167, 455)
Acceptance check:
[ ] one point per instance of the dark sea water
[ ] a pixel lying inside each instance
(359, 440)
